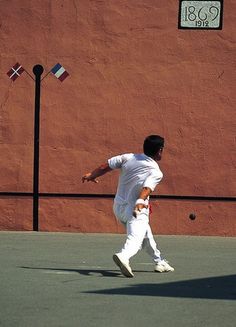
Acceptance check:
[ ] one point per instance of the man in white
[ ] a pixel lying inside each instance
(139, 175)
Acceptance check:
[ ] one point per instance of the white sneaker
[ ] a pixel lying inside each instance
(163, 266)
(124, 266)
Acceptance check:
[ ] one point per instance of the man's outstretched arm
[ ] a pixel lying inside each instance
(92, 177)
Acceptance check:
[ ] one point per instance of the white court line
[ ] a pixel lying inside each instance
(76, 270)
(60, 272)
(71, 271)
(145, 263)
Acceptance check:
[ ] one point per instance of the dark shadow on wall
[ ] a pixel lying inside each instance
(217, 288)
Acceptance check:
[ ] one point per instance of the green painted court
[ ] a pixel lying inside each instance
(65, 280)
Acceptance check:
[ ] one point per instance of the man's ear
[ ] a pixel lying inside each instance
(158, 155)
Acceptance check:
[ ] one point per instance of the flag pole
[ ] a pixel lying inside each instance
(29, 74)
(37, 70)
(46, 75)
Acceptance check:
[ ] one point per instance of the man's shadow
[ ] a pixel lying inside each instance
(218, 287)
(86, 272)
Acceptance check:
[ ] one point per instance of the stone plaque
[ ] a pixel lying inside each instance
(200, 14)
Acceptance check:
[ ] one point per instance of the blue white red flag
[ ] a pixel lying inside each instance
(15, 71)
(60, 72)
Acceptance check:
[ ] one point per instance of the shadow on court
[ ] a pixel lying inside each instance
(219, 288)
(68, 280)
(84, 272)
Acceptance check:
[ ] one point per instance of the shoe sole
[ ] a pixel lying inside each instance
(125, 271)
(164, 271)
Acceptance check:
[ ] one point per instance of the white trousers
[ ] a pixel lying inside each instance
(139, 233)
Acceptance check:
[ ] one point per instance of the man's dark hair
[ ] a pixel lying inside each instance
(152, 144)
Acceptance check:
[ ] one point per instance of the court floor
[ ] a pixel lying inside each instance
(69, 279)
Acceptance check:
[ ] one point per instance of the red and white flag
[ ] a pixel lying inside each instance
(15, 71)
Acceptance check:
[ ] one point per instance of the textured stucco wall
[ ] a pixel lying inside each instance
(132, 73)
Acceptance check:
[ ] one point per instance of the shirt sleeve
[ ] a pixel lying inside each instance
(153, 179)
(117, 161)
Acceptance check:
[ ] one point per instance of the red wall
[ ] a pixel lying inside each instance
(132, 73)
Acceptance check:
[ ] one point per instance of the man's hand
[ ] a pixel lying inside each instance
(92, 177)
(89, 178)
(140, 203)
(138, 208)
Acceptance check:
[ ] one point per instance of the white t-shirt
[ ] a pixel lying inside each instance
(137, 171)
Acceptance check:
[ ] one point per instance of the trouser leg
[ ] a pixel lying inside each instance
(136, 231)
(150, 246)
(139, 232)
